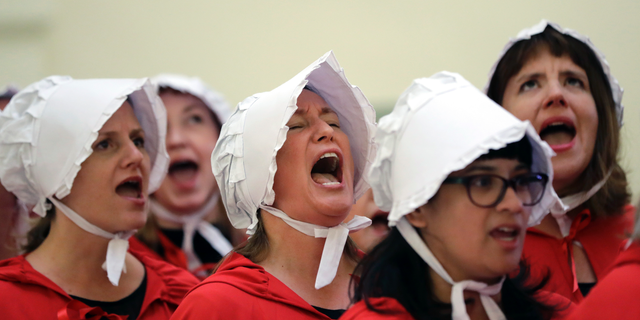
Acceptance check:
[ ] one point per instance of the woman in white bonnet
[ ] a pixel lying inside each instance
(462, 180)
(559, 81)
(188, 226)
(86, 154)
(290, 163)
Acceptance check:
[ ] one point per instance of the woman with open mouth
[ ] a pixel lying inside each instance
(187, 224)
(559, 81)
(462, 179)
(86, 154)
(290, 163)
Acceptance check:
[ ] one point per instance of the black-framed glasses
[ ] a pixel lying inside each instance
(487, 190)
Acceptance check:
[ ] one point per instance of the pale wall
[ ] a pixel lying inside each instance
(243, 47)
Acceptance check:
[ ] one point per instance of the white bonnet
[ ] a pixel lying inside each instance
(194, 86)
(526, 34)
(47, 130)
(439, 125)
(244, 159)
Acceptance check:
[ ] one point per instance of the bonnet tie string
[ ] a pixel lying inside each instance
(191, 223)
(573, 201)
(118, 243)
(459, 308)
(333, 246)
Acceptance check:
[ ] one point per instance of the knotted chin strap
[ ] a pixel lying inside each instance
(457, 297)
(117, 248)
(192, 222)
(333, 246)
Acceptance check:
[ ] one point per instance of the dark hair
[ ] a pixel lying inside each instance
(37, 234)
(613, 196)
(393, 269)
(519, 150)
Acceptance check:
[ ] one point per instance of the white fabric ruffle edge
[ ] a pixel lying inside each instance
(527, 33)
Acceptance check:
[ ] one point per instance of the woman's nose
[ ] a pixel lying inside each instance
(133, 155)
(510, 202)
(555, 96)
(175, 137)
(323, 131)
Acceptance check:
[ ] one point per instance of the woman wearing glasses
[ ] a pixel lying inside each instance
(462, 180)
(559, 81)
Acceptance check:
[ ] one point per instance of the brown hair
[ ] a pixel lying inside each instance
(256, 248)
(39, 232)
(613, 196)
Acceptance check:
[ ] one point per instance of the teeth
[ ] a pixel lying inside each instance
(556, 124)
(505, 229)
(330, 183)
(508, 238)
(329, 154)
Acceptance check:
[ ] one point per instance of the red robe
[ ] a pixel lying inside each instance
(27, 294)
(601, 240)
(172, 254)
(616, 296)
(396, 311)
(241, 289)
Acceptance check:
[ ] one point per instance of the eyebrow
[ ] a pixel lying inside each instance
(573, 73)
(324, 110)
(190, 107)
(132, 132)
(481, 168)
(534, 75)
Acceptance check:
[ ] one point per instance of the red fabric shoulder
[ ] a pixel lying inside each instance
(392, 309)
(171, 282)
(241, 289)
(616, 296)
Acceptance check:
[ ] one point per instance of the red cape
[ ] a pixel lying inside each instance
(616, 296)
(27, 294)
(241, 289)
(395, 311)
(601, 239)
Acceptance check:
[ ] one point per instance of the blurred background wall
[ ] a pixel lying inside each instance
(247, 46)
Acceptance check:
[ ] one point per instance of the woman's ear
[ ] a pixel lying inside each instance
(418, 218)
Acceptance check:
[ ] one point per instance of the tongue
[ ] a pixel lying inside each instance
(183, 174)
(127, 191)
(321, 178)
(557, 138)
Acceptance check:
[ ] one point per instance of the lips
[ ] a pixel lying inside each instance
(131, 188)
(183, 170)
(380, 222)
(327, 170)
(558, 131)
(507, 235)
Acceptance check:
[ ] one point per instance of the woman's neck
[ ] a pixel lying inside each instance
(72, 258)
(294, 259)
(442, 292)
(211, 216)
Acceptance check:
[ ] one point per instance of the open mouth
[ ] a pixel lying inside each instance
(558, 132)
(327, 170)
(183, 170)
(380, 222)
(505, 233)
(130, 188)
